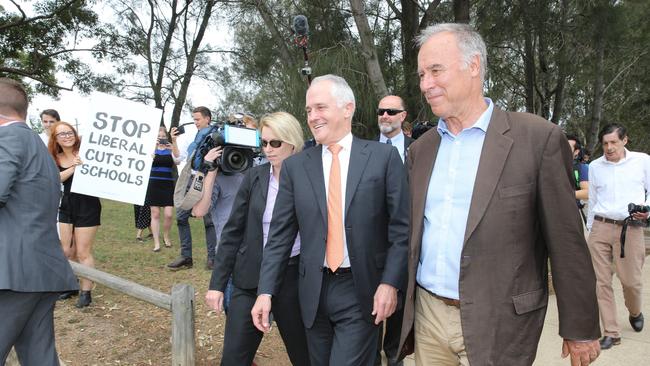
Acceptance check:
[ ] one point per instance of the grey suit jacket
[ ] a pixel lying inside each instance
(522, 213)
(376, 224)
(31, 258)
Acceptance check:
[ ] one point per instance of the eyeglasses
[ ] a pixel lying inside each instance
(65, 134)
(390, 111)
(274, 143)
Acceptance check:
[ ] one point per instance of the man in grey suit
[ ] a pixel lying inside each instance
(348, 200)
(33, 269)
(491, 201)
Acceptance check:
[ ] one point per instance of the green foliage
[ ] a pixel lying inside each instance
(39, 45)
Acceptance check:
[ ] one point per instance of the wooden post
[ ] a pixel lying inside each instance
(182, 325)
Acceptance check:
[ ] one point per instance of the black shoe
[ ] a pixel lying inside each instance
(637, 322)
(84, 299)
(209, 265)
(180, 263)
(607, 342)
(68, 294)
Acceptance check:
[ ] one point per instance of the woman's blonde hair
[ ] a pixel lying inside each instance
(286, 127)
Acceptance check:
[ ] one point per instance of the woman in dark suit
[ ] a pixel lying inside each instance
(240, 251)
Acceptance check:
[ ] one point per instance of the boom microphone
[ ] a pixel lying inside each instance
(300, 25)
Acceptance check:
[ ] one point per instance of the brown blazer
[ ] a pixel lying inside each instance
(523, 212)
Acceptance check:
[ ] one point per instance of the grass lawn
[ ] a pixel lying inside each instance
(119, 330)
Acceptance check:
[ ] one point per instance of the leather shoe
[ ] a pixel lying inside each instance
(209, 265)
(607, 342)
(637, 322)
(181, 263)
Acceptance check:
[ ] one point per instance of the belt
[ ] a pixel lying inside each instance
(294, 260)
(446, 300)
(339, 271)
(618, 222)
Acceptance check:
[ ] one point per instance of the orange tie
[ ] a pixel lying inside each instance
(334, 248)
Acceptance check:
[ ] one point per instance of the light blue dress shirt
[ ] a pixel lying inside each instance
(397, 141)
(448, 200)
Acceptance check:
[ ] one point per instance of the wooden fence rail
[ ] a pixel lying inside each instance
(180, 303)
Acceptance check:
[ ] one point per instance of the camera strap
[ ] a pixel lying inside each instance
(623, 232)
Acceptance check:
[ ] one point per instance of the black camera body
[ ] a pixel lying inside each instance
(240, 146)
(633, 208)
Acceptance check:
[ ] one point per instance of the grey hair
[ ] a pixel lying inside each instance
(340, 90)
(469, 42)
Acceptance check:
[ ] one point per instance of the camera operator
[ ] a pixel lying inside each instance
(201, 117)
(224, 188)
(618, 178)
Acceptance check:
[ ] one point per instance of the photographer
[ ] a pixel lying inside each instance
(617, 179)
(201, 117)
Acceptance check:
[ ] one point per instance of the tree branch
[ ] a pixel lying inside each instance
(24, 20)
(392, 6)
(27, 74)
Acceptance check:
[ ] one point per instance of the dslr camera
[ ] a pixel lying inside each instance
(240, 146)
(632, 208)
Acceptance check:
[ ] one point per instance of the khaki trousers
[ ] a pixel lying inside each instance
(605, 248)
(438, 333)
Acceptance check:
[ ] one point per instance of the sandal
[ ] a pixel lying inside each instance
(156, 250)
(168, 244)
(139, 239)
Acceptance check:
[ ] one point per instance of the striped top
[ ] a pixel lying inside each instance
(161, 168)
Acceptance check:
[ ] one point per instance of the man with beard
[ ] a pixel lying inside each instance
(390, 116)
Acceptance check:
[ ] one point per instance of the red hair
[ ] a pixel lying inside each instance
(54, 147)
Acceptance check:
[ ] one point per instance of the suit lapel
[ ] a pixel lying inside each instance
(496, 148)
(314, 168)
(264, 177)
(358, 158)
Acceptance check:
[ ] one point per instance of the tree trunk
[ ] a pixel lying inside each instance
(562, 62)
(265, 13)
(529, 69)
(368, 49)
(189, 67)
(599, 90)
(461, 11)
(410, 20)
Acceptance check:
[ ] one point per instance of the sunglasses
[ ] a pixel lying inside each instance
(274, 143)
(390, 111)
(64, 134)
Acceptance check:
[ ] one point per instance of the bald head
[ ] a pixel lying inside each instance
(13, 100)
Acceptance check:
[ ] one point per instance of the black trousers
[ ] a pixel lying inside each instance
(28, 325)
(242, 339)
(341, 335)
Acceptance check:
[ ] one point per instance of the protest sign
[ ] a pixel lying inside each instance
(116, 149)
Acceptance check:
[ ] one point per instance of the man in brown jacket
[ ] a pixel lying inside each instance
(491, 202)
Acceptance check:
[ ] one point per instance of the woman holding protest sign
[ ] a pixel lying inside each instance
(79, 214)
(160, 192)
(240, 250)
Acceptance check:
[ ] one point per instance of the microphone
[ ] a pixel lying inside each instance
(300, 25)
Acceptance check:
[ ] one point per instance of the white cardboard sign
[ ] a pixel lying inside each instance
(116, 149)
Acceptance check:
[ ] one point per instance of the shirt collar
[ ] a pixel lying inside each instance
(623, 159)
(481, 123)
(395, 139)
(345, 142)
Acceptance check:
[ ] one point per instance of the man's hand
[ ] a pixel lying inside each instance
(260, 313)
(582, 352)
(213, 154)
(385, 302)
(641, 216)
(214, 299)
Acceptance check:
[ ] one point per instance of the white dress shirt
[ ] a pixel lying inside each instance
(612, 186)
(397, 141)
(344, 160)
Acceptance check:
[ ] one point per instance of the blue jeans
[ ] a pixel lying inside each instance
(185, 234)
